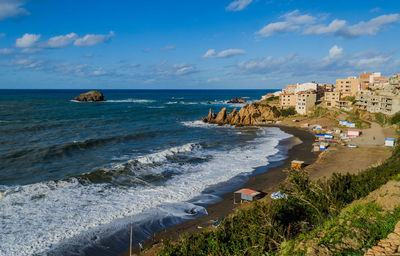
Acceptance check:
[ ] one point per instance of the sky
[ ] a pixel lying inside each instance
(197, 44)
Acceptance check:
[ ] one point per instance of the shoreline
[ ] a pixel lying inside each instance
(265, 179)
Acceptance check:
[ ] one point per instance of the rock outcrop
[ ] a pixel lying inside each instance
(251, 114)
(238, 100)
(91, 96)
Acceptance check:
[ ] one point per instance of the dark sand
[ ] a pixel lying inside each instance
(267, 182)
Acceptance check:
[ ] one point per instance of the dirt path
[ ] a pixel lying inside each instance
(373, 136)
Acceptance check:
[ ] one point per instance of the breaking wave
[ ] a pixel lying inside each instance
(40, 217)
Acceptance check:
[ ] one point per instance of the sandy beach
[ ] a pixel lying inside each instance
(338, 159)
(267, 182)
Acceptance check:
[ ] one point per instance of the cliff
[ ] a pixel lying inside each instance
(250, 114)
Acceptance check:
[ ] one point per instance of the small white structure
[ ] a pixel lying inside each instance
(389, 142)
(353, 133)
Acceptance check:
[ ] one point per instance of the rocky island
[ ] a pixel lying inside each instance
(91, 96)
(238, 100)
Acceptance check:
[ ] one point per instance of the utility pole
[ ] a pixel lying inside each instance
(130, 243)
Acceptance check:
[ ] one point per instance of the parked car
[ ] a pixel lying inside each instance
(352, 146)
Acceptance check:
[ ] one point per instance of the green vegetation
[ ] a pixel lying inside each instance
(264, 228)
(355, 117)
(381, 118)
(319, 112)
(288, 112)
(395, 119)
(360, 226)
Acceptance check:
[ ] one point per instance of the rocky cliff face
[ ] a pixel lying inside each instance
(90, 96)
(251, 114)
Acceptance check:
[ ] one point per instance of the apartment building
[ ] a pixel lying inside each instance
(347, 87)
(287, 100)
(305, 101)
(332, 99)
(379, 101)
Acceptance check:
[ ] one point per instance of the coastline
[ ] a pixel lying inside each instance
(265, 179)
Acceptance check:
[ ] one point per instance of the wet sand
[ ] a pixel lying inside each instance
(267, 182)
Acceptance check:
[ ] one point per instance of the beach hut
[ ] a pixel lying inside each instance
(297, 164)
(351, 124)
(343, 122)
(353, 133)
(389, 142)
(245, 194)
(316, 147)
(328, 136)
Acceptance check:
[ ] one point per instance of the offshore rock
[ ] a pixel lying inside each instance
(238, 100)
(91, 96)
(251, 114)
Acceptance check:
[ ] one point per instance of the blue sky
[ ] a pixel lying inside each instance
(207, 44)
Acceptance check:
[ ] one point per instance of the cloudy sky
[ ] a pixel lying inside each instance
(217, 44)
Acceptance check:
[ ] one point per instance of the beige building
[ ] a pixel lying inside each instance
(379, 101)
(348, 87)
(332, 99)
(305, 101)
(287, 100)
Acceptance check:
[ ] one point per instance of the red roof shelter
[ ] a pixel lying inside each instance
(246, 194)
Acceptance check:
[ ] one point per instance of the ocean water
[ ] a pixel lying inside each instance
(72, 175)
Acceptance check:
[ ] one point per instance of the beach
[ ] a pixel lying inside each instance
(267, 181)
(338, 159)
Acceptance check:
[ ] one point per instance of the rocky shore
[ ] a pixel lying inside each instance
(251, 114)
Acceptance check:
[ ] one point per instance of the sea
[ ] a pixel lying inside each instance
(73, 175)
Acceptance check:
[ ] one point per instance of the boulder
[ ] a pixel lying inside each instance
(220, 119)
(238, 100)
(91, 96)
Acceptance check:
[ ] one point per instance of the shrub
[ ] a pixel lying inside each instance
(395, 119)
(263, 227)
(288, 112)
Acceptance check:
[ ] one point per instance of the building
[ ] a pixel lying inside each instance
(305, 101)
(332, 99)
(379, 80)
(246, 194)
(348, 87)
(379, 101)
(290, 88)
(287, 100)
(394, 80)
(306, 87)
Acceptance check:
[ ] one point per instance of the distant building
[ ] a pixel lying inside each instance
(305, 101)
(306, 87)
(348, 87)
(394, 80)
(287, 100)
(332, 99)
(379, 101)
(290, 88)
(379, 80)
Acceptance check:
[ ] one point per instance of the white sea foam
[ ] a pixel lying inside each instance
(201, 124)
(131, 100)
(38, 217)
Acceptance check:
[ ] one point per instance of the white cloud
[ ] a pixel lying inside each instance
(60, 41)
(92, 39)
(277, 28)
(12, 8)
(6, 51)
(210, 53)
(223, 54)
(335, 52)
(292, 21)
(169, 48)
(27, 40)
(341, 29)
(238, 5)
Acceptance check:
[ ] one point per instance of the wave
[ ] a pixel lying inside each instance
(131, 100)
(62, 149)
(215, 102)
(201, 124)
(39, 217)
